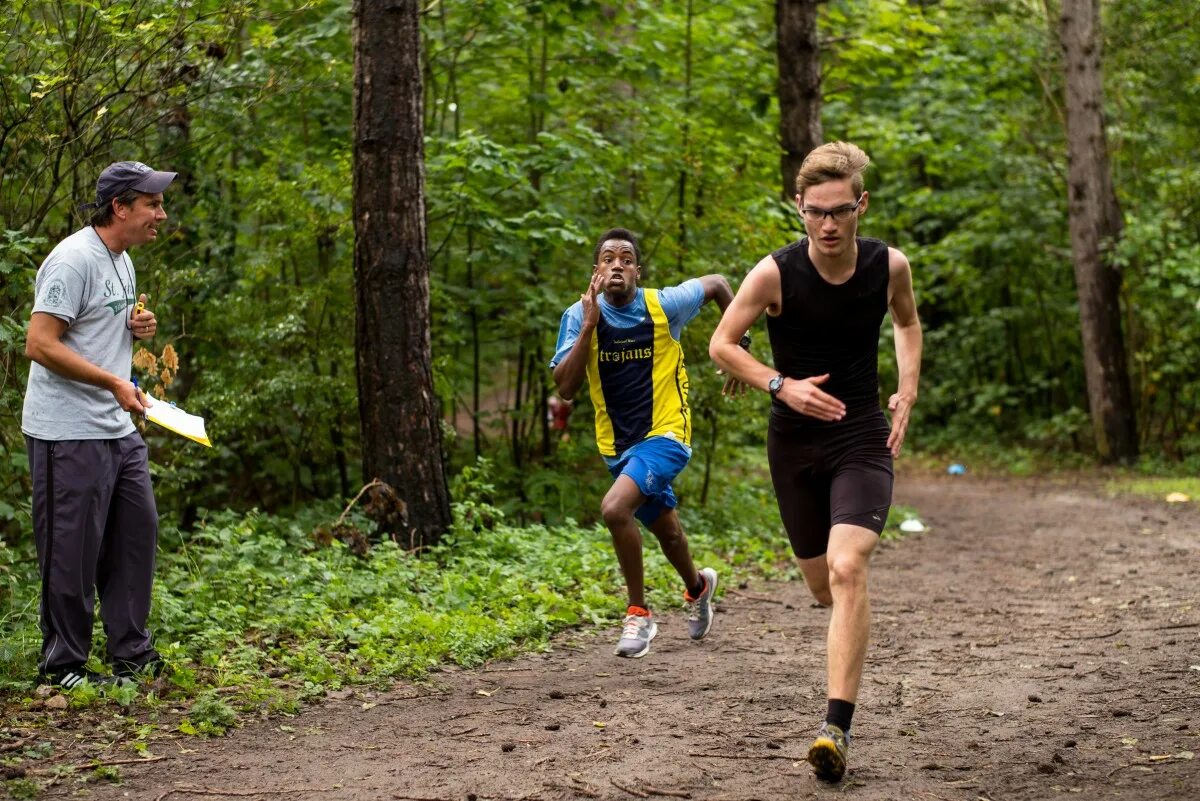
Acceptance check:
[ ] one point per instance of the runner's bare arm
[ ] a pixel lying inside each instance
(570, 372)
(759, 292)
(44, 345)
(762, 291)
(907, 326)
(716, 287)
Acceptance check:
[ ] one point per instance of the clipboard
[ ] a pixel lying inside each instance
(175, 419)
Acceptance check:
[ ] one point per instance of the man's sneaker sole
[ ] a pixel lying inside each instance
(827, 762)
(645, 650)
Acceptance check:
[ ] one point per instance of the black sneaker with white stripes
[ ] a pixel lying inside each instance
(70, 678)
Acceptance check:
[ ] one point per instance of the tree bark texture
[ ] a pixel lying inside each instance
(401, 433)
(1095, 224)
(799, 57)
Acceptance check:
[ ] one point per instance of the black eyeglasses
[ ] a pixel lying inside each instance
(842, 213)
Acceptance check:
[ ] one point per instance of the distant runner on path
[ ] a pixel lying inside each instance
(625, 341)
(828, 443)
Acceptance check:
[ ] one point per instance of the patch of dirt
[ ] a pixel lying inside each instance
(1040, 641)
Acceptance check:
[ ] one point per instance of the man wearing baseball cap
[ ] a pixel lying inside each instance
(94, 517)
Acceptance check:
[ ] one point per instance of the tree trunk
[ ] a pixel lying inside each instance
(799, 54)
(1095, 222)
(401, 434)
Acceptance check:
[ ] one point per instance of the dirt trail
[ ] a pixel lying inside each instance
(1040, 641)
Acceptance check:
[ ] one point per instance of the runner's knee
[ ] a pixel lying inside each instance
(847, 570)
(614, 512)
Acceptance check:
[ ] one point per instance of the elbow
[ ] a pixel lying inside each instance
(32, 351)
(721, 291)
(716, 352)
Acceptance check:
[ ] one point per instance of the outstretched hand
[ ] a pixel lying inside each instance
(805, 396)
(900, 406)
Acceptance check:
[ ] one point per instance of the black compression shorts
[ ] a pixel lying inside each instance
(830, 474)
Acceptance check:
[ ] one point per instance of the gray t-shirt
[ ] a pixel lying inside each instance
(83, 283)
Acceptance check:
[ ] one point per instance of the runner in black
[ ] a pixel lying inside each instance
(828, 443)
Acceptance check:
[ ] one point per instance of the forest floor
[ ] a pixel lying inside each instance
(1040, 640)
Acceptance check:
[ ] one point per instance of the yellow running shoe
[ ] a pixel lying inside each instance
(828, 753)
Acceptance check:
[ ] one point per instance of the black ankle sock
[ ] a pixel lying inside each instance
(840, 713)
(698, 590)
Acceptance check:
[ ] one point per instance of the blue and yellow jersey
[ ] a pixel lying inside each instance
(638, 382)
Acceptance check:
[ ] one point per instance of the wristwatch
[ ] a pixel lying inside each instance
(744, 342)
(774, 385)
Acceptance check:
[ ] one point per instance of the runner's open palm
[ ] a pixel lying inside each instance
(591, 301)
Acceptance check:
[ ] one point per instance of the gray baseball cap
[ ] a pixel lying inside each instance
(135, 175)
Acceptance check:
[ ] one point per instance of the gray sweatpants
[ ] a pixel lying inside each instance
(96, 527)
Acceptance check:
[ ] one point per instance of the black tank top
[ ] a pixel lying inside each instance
(830, 328)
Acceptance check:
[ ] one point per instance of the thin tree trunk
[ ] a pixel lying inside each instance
(685, 149)
(401, 433)
(473, 315)
(1095, 223)
(799, 53)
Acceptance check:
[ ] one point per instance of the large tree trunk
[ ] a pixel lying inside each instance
(799, 54)
(401, 434)
(1095, 221)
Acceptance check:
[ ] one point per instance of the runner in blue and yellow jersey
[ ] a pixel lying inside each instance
(625, 341)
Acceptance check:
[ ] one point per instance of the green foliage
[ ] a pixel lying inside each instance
(208, 715)
(22, 788)
(545, 124)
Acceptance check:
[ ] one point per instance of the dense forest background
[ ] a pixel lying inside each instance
(545, 123)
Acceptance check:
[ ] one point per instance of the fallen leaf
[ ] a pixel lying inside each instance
(484, 693)
(1177, 497)
(598, 724)
(369, 705)
(57, 702)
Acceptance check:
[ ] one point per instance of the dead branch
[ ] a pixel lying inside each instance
(754, 597)
(213, 791)
(1090, 636)
(629, 790)
(747, 756)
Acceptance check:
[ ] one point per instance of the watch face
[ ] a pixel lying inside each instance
(775, 384)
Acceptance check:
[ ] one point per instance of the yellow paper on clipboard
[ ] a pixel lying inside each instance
(175, 419)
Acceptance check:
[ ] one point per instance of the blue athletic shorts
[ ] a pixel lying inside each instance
(652, 464)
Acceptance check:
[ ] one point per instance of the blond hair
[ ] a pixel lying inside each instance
(833, 161)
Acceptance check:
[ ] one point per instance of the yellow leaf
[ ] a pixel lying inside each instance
(598, 724)
(100, 112)
(484, 693)
(1177, 497)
